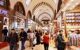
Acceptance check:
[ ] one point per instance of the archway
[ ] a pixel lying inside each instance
(19, 8)
(40, 4)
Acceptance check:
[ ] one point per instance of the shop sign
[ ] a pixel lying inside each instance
(4, 12)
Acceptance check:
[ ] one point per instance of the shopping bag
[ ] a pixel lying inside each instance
(34, 41)
(19, 47)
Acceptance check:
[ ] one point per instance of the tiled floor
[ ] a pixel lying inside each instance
(37, 47)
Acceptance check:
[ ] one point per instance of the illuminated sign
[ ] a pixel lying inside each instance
(4, 12)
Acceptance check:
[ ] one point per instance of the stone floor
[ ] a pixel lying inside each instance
(40, 47)
(37, 47)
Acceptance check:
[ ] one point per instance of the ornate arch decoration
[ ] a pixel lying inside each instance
(19, 7)
(40, 4)
(44, 13)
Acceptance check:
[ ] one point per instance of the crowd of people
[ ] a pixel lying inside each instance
(13, 37)
(37, 37)
(74, 38)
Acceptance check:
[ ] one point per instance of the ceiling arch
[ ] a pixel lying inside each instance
(44, 13)
(40, 4)
(44, 17)
(19, 7)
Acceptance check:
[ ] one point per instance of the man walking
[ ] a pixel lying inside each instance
(23, 38)
(5, 31)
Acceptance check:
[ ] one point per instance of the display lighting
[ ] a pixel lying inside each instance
(28, 2)
(72, 27)
(4, 12)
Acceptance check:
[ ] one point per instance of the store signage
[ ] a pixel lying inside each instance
(3, 12)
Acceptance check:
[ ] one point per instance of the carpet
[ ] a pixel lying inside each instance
(3, 44)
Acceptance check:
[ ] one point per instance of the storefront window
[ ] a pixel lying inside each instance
(5, 4)
(1, 3)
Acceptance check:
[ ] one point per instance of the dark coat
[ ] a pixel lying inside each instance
(23, 36)
(38, 37)
(5, 31)
(60, 41)
(13, 38)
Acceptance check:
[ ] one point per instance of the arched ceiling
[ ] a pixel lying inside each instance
(19, 7)
(43, 9)
(43, 4)
(44, 16)
(75, 9)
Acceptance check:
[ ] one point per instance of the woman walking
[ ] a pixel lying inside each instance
(46, 41)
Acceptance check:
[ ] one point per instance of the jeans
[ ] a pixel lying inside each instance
(5, 37)
(61, 48)
(46, 46)
(22, 45)
(13, 47)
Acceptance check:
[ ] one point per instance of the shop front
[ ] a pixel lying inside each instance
(4, 17)
(4, 20)
(73, 21)
(18, 21)
(69, 21)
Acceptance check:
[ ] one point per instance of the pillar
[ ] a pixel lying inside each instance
(1, 26)
(65, 28)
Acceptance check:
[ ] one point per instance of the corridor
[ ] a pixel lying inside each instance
(53, 22)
